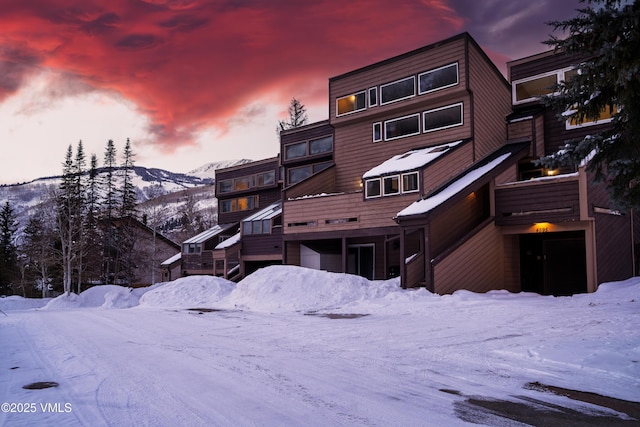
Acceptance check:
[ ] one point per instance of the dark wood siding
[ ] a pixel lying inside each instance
(491, 103)
(544, 196)
(263, 244)
(539, 64)
(322, 182)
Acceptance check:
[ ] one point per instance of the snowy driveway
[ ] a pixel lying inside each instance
(407, 363)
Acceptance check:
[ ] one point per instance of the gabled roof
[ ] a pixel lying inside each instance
(473, 177)
(269, 212)
(208, 234)
(411, 160)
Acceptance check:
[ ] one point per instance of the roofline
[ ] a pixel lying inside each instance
(305, 127)
(461, 36)
(251, 163)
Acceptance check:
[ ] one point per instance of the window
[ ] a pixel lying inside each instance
(402, 127)
(410, 182)
(243, 183)
(606, 116)
(298, 174)
(294, 151)
(246, 227)
(438, 78)
(258, 226)
(321, 145)
(391, 185)
(373, 97)
(239, 204)
(266, 179)
(372, 188)
(377, 132)
(350, 103)
(225, 186)
(442, 118)
(398, 90)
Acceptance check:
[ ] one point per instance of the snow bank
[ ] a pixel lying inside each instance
(189, 292)
(104, 296)
(289, 288)
(15, 302)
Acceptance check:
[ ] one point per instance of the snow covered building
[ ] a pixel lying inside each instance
(423, 170)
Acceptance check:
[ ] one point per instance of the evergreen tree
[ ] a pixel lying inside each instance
(92, 253)
(110, 185)
(297, 116)
(128, 205)
(38, 247)
(8, 250)
(605, 40)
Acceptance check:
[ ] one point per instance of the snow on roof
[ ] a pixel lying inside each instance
(410, 160)
(206, 235)
(173, 259)
(425, 205)
(227, 243)
(269, 212)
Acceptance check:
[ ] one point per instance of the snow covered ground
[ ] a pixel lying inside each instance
(290, 346)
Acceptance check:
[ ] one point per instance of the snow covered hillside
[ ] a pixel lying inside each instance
(289, 346)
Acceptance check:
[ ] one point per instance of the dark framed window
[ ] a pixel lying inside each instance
(442, 118)
(398, 90)
(351, 103)
(438, 78)
(402, 127)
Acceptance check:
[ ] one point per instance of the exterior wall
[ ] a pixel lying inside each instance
(201, 263)
(476, 265)
(511, 245)
(353, 132)
(539, 64)
(491, 103)
(544, 195)
(266, 195)
(447, 167)
(262, 245)
(322, 182)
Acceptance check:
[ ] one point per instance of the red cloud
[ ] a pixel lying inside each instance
(188, 64)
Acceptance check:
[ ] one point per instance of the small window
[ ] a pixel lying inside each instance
(322, 145)
(266, 226)
(410, 182)
(246, 227)
(294, 151)
(533, 88)
(350, 103)
(256, 227)
(225, 206)
(372, 188)
(377, 132)
(267, 178)
(398, 90)
(439, 78)
(442, 118)
(243, 183)
(402, 127)
(391, 185)
(373, 97)
(225, 186)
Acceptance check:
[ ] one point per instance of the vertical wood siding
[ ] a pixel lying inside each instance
(477, 265)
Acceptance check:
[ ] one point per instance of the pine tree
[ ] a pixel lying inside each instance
(38, 246)
(8, 250)
(297, 116)
(110, 185)
(128, 205)
(605, 40)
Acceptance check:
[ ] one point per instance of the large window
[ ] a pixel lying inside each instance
(438, 78)
(351, 103)
(442, 118)
(295, 175)
(531, 88)
(263, 179)
(239, 204)
(398, 90)
(402, 127)
(313, 147)
(606, 116)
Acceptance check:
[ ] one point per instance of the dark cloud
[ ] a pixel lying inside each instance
(187, 64)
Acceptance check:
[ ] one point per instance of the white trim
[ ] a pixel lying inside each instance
(424, 121)
(375, 90)
(417, 182)
(441, 87)
(559, 77)
(381, 101)
(384, 178)
(366, 193)
(373, 132)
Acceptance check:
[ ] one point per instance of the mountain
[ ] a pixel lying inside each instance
(162, 195)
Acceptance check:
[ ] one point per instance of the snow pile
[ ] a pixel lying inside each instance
(104, 296)
(189, 292)
(287, 288)
(15, 302)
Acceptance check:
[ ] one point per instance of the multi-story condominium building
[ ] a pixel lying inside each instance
(432, 179)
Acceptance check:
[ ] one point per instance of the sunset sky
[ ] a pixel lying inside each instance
(196, 81)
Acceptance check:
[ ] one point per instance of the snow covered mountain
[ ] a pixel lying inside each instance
(161, 194)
